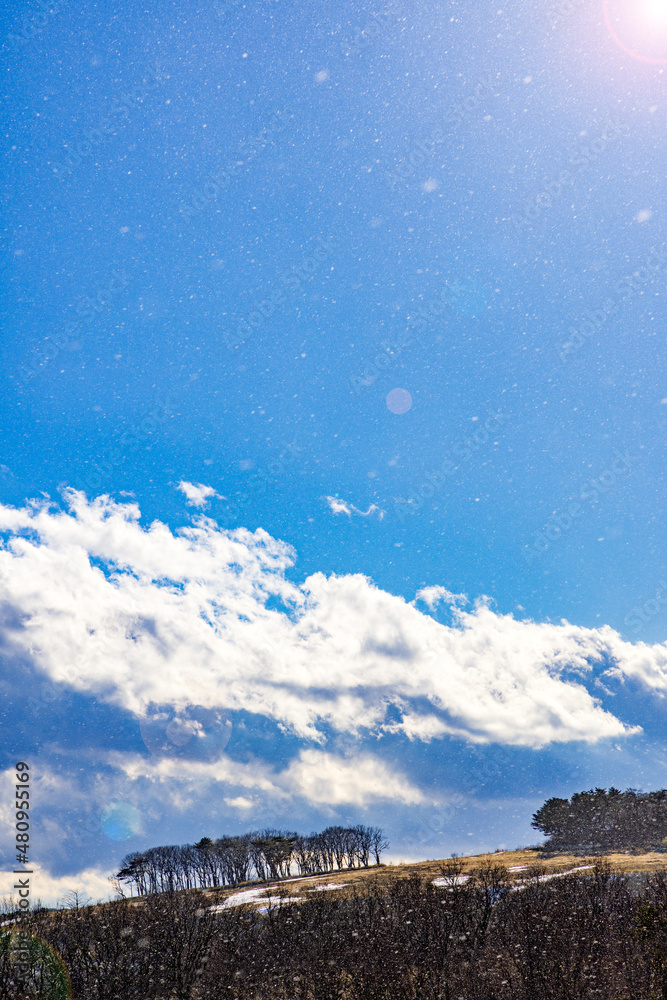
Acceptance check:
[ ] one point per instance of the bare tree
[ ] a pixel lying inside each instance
(75, 899)
(378, 842)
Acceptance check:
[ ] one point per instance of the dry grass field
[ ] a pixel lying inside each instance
(518, 864)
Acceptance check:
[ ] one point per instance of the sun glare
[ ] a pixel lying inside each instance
(654, 12)
(639, 27)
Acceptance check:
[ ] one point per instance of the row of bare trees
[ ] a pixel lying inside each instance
(575, 937)
(263, 855)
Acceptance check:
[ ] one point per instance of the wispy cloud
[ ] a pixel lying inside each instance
(319, 777)
(196, 494)
(338, 506)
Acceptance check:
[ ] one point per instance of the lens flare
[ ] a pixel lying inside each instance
(36, 965)
(399, 401)
(120, 821)
(639, 28)
(189, 733)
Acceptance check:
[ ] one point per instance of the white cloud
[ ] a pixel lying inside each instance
(338, 506)
(51, 889)
(639, 661)
(197, 495)
(240, 802)
(182, 619)
(431, 596)
(419, 727)
(328, 780)
(319, 777)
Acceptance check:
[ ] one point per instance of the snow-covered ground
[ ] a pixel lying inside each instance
(255, 895)
(570, 871)
(246, 896)
(261, 894)
(451, 880)
(548, 877)
(460, 879)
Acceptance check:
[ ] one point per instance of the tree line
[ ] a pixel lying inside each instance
(605, 820)
(257, 856)
(479, 935)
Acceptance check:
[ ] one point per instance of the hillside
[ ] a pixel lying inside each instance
(443, 928)
(517, 862)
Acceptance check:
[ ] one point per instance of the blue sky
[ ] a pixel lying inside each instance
(333, 421)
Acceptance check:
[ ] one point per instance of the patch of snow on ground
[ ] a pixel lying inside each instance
(518, 868)
(329, 885)
(247, 896)
(455, 880)
(254, 896)
(547, 878)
